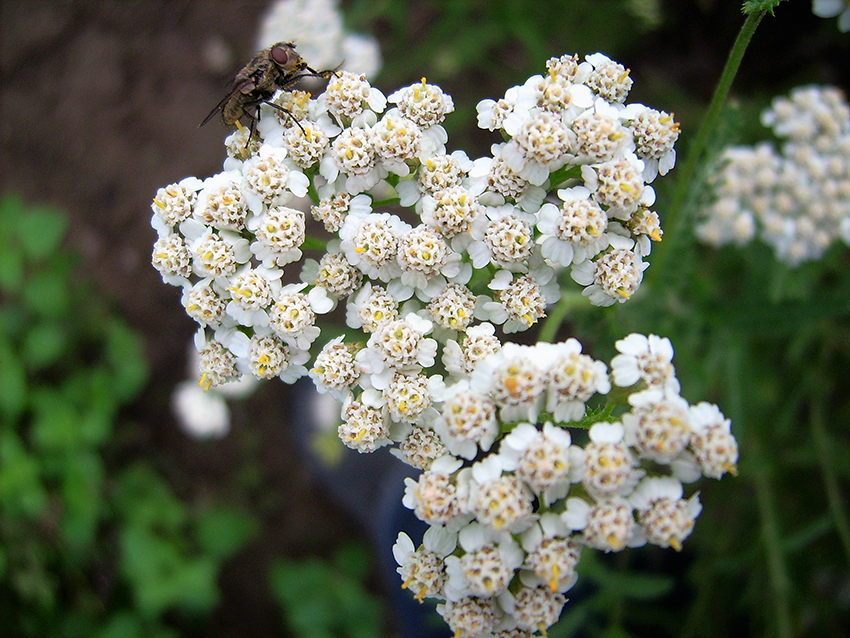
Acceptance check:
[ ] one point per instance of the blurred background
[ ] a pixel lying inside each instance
(115, 523)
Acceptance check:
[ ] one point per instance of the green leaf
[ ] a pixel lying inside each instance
(90, 389)
(45, 342)
(122, 625)
(223, 532)
(125, 352)
(96, 424)
(55, 425)
(13, 381)
(21, 491)
(47, 294)
(320, 600)
(145, 499)
(353, 559)
(14, 322)
(160, 575)
(82, 499)
(40, 231)
(11, 269)
(573, 619)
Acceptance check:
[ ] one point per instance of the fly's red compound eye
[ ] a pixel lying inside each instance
(280, 55)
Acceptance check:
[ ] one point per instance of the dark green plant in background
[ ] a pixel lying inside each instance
(90, 545)
(327, 598)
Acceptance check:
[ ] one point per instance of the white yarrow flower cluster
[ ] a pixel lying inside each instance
(795, 199)
(510, 484)
(570, 132)
(514, 498)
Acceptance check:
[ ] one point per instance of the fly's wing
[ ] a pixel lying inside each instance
(245, 82)
(244, 86)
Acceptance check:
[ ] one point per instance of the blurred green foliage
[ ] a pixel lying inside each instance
(90, 546)
(327, 598)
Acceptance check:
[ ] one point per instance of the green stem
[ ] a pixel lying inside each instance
(833, 493)
(556, 317)
(771, 537)
(672, 217)
(760, 471)
(393, 201)
(312, 193)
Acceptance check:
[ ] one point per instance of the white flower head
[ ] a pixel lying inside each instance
(451, 211)
(293, 315)
(334, 370)
(175, 202)
(608, 79)
(487, 566)
(499, 500)
(574, 231)
(364, 428)
(646, 358)
(279, 233)
(426, 104)
(371, 307)
(618, 185)
(504, 236)
(269, 180)
(552, 554)
(655, 134)
(608, 525)
(370, 242)
(468, 421)
(398, 345)
(562, 89)
(173, 259)
(423, 569)
(461, 356)
(542, 145)
(610, 469)
(269, 357)
(515, 376)
(573, 379)
(611, 278)
(659, 427)
(217, 254)
(667, 519)
(600, 135)
(348, 95)
(252, 291)
(433, 497)
(221, 203)
(426, 259)
(541, 458)
(712, 441)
